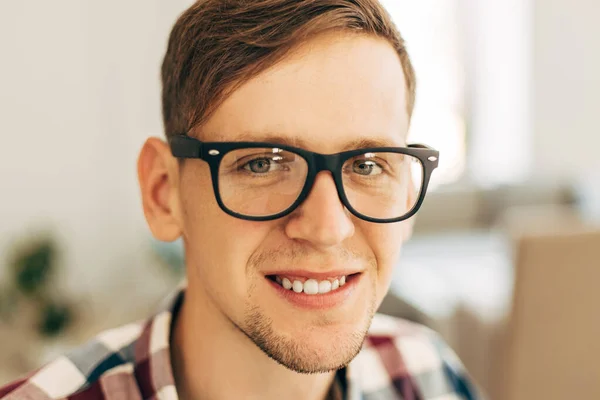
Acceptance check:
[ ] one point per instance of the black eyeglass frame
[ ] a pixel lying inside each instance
(183, 146)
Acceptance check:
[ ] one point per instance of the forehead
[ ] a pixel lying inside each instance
(335, 89)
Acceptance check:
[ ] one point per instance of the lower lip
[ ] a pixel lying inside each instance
(318, 301)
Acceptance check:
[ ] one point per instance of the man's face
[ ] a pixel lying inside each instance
(333, 90)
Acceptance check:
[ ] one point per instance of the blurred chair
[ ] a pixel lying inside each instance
(551, 347)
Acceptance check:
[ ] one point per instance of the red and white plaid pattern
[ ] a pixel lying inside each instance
(399, 360)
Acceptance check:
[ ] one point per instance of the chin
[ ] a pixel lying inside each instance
(315, 353)
(320, 347)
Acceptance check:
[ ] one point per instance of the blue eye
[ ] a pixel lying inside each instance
(259, 165)
(366, 167)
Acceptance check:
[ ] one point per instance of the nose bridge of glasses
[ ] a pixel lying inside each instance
(329, 163)
(325, 162)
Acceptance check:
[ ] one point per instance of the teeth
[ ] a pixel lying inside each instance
(286, 283)
(298, 286)
(311, 286)
(324, 287)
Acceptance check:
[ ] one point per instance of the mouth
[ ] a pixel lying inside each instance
(311, 286)
(314, 292)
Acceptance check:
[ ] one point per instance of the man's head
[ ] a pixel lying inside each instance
(320, 74)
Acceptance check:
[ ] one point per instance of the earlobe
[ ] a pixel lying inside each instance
(158, 186)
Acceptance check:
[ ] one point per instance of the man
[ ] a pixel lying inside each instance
(287, 174)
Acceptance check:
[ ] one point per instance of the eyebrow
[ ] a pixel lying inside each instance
(375, 142)
(295, 141)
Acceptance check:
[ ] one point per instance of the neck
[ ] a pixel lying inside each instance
(213, 359)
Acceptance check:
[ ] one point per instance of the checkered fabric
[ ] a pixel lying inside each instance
(399, 360)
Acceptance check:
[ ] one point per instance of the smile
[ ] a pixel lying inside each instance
(310, 286)
(316, 292)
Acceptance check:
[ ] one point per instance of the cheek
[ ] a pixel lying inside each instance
(385, 241)
(218, 245)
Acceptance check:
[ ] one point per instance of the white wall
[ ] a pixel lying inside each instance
(567, 87)
(533, 89)
(498, 42)
(79, 91)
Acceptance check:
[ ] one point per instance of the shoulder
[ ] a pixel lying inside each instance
(108, 359)
(405, 358)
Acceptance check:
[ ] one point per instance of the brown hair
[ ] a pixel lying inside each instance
(217, 45)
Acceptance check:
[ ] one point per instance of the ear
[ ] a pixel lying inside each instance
(158, 176)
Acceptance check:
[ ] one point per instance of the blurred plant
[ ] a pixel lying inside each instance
(55, 319)
(32, 270)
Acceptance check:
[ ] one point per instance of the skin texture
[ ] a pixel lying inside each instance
(234, 336)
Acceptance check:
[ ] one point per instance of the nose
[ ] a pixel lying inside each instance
(322, 220)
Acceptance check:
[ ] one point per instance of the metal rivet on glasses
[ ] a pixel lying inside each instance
(213, 152)
(432, 158)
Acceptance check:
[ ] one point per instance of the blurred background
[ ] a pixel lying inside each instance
(506, 255)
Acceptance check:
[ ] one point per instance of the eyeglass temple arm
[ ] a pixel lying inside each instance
(183, 146)
(419, 146)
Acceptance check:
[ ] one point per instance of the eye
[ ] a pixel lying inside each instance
(259, 165)
(366, 167)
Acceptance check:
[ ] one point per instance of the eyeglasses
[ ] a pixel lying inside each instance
(265, 181)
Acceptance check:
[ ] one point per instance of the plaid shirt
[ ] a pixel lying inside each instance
(399, 360)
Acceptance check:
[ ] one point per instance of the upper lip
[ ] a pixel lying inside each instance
(315, 275)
